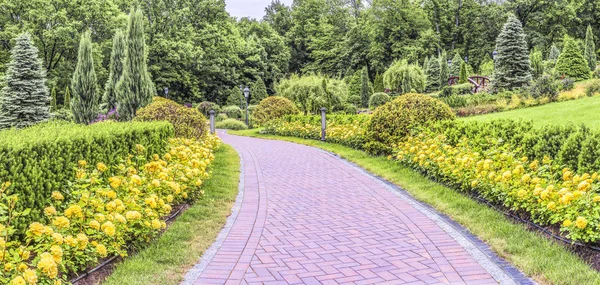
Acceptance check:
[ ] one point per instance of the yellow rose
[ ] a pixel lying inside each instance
(101, 167)
(156, 224)
(61, 222)
(567, 223)
(551, 206)
(82, 163)
(57, 196)
(522, 193)
(30, 276)
(109, 228)
(101, 250)
(82, 241)
(57, 238)
(18, 281)
(581, 222)
(583, 186)
(22, 267)
(74, 211)
(47, 265)
(114, 182)
(36, 229)
(596, 199)
(95, 225)
(50, 211)
(136, 179)
(133, 215)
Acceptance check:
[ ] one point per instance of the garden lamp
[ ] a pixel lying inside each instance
(247, 95)
(449, 62)
(167, 92)
(494, 54)
(466, 59)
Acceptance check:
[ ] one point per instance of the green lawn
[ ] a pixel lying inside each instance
(585, 110)
(545, 260)
(166, 260)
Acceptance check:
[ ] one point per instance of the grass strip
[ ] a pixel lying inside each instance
(166, 260)
(545, 260)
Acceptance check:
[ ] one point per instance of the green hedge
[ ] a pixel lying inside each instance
(43, 158)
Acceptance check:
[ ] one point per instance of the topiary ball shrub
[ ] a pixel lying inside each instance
(206, 106)
(231, 124)
(391, 122)
(233, 112)
(350, 109)
(221, 117)
(378, 99)
(187, 122)
(273, 107)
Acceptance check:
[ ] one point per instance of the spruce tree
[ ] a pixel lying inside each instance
(84, 85)
(554, 53)
(378, 85)
(571, 62)
(258, 92)
(53, 100)
(67, 98)
(444, 69)
(426, 64)
(590, 49)
(433, 75)
(135, 88)
(535, 57)
(365, 88)
(512, 68)
(235, 98)
(117, 58)
(355, 83)
(24, 99)
(456, 63)
(462, 75)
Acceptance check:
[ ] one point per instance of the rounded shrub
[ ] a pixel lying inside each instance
(350, 109)
(378, 99)
(221, 117)
(273, 107)
(234, 112)
(187, 122)
(231, 124)
(392, 121)
(206, 106)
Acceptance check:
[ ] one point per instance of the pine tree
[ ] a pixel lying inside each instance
(84, 85)
(590, 49)
(117, 58)
(365, 88)
(67, 99)
(455, 66)
(378, 85)
(444, 69)
(571, 62)
(24, 100)
(512, 68)
(235, 98)
(53, 100)
(354, 84)
(554, 53)
(258, 92)
(462, 77)
(433, 75)
(135, 88)
(535, 57)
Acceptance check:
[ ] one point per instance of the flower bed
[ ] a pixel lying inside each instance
(41, 159)
(109, 209)
(348, 130)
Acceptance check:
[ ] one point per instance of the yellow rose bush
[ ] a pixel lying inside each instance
(104, 214)
(348, 130)
(542, 190)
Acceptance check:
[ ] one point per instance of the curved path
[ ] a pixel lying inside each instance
(307, 217)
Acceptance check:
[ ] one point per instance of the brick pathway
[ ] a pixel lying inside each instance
(307, 217)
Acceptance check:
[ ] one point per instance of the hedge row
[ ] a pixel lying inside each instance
(43, 159)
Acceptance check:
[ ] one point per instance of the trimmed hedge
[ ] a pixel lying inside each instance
(231, 124)
(43, 158)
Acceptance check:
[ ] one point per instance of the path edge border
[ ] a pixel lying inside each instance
(194, 273)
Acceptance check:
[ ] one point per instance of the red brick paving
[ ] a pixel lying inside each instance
(308, 218)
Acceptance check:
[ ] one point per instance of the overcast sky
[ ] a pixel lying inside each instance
(250, 8)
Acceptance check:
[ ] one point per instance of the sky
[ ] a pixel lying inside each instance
(249, 8)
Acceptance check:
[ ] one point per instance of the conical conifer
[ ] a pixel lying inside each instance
(258, 92)
(24, 100)
(53, 99)
(84, 84)
(117, 58)
(512, 68)
(456, 63)
(462, 75)
(444, 69)
(433, 75)
(135, 88)
(365, 89)
(571, 62)
(590, 48)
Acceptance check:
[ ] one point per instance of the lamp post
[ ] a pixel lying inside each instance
(450, 67)
(466, 59)
(167, 92)
(449, 62)
(494, 54)
(247, 95)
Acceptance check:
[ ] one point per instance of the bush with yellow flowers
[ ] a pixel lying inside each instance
(541, 189)
(108, 209)
(348, 130)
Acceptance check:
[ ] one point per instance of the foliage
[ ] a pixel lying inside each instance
(85, 94)
(206, 106)
(535, 57)
(312, 92)
(378, 99)
(24, 100)
(233, 112)
(545, 87)
(231, 124)
(135, 88)
(457, 89)
(434, 75)
(258, 91)
(348, 130)
(365, 87)
(444, 70)
(589, 52)
(117, 57)
(187, 122)
(554, 53)
(392, 121)
(41, 159)
(53, 106)
(67, 99)
(571, 62)
(273, 107)
(402, 77)
(378, 84)
(593, 88)
(512, 68)
(457, 62)
(463, 77)
(487, 67)
(236, 97)
(78, 234)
